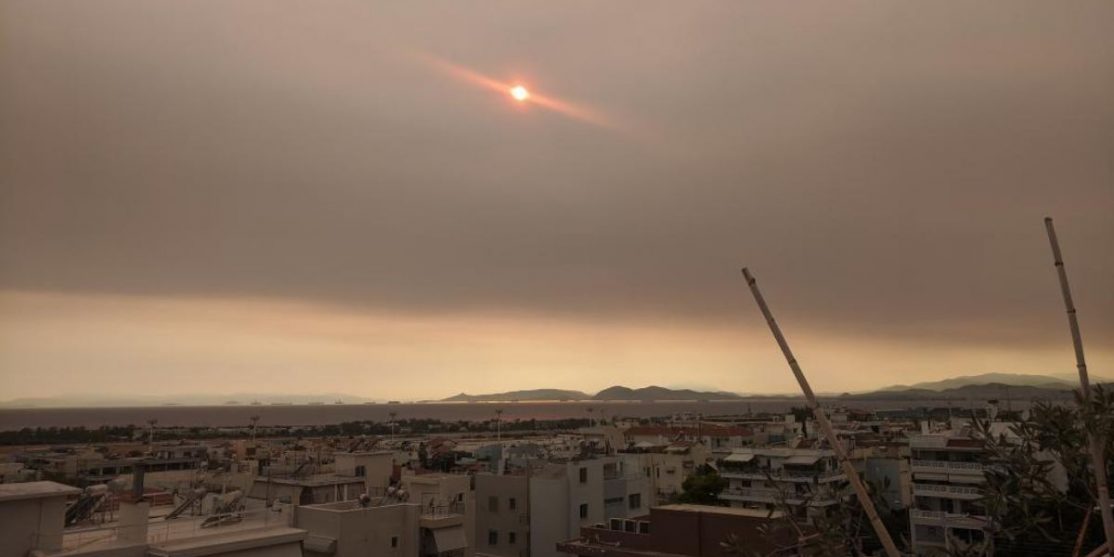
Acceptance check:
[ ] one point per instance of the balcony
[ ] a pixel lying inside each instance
(949, 491)
(948, 520)
(786, 475)
(771, 496)
(442, 516)
(944, 467)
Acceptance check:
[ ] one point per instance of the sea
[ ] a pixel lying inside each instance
(326, 414)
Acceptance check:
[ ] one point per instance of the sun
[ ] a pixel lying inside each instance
(520, 93)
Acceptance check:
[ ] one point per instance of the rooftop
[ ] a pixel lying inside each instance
(710, 509)
(35, 490)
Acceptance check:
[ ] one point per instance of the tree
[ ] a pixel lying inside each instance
(703, 487)
(1029, 513)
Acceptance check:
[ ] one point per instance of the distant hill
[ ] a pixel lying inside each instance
(611, 393)
(1012, 379)
(532, 394)
(660, 393)
(983, 392)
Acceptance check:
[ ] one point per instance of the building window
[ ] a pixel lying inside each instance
(583, 475)
(492, 537)
(512, 504)
(361, 471)
(394, 541)
(635, 501)
(584, 510)
(510, 538)
(493, 504)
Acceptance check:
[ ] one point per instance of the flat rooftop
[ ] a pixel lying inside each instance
(239, 540)
(35, 490)
(710, 509)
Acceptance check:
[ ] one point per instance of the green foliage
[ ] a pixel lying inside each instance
(703, 487)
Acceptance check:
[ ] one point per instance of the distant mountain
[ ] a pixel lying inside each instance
(532, 394)
(660, 393)
(981, 393)
(1011, 379)
(611, 393)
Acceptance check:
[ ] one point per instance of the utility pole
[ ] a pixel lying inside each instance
(1096, 439)
(254, 423)
(393, 423)
(151, 433)
(825, 425)
(499, 424)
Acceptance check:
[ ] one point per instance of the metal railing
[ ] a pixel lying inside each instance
(442, 511)
(159, 530)
(934, 489)
(787, 475)
(949, 519)
(945, 466)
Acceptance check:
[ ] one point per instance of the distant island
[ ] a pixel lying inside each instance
(616, 393)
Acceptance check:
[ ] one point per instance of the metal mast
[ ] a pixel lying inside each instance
(825, 425)
(1094, 438)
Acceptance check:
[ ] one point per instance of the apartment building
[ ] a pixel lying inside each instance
(502, 515)
(448, 512)
(685, 530)
(666, 466)
(808, 480)
(564, 496)
(373, 527)
(947, 476)
(715, 437)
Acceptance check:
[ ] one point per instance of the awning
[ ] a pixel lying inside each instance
(449, 539)
(739, 457)
(802, 460)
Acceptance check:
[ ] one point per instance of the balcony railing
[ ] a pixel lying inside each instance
(766, 495)
(935, 490)
(786, 475)
(950, 520)
(944, 467)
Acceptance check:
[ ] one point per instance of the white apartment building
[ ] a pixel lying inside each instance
(566, 496)
(666, 467)
(947, 477)
(809, 480)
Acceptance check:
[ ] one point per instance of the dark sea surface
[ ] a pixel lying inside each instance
(215, 416)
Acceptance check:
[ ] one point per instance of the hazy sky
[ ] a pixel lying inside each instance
(220, 196)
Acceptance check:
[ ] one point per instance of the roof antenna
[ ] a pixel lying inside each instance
(1094, 439)
(825, 425)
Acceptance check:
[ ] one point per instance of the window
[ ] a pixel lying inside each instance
(635, 500)
(361, 471)
(492, 537)
(583, 475)
(493, 504)
(510, 537)
(394, 541)
(512, 504)
(584, 509)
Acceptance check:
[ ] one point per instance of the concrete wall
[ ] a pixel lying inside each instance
(31, 524)
(363, 532)
(549, 515)
(503, 519)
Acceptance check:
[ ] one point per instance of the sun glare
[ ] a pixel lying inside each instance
(519, 93)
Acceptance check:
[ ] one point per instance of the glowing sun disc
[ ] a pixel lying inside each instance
(519, 93)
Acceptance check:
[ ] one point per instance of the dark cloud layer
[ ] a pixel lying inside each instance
(883, 168)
